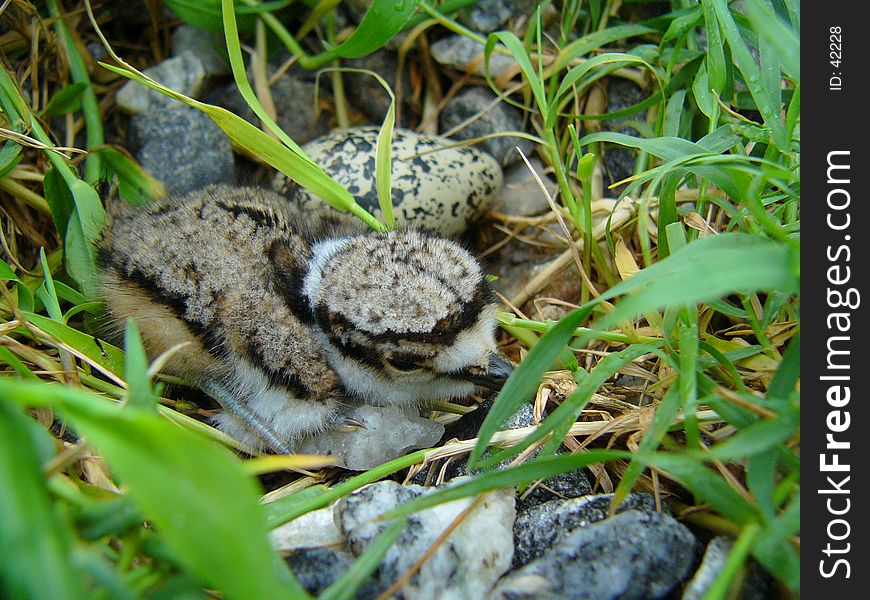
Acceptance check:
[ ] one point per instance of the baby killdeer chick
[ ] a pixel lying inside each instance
(293, 319)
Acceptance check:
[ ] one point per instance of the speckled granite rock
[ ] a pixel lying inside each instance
(467, 563)
(540, 527)
(632, 556)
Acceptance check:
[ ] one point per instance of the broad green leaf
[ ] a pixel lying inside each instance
(383, 20)
(675, 149)
(194, 491)
(66, 100)
(109, 357)
(760, 479)
(706, 269)
(581, 76)
(756, 438)
(716, 69)
(788, 373)
(10, 155)
(59, 199)
(139, 391)
(46, 292)
(706, 484)
(586, 44)
(206, 14)
(6, 272)
(778, 34)
(773, 548)
(519, 54)
(742, 58)
(35, 542)
(135, 184)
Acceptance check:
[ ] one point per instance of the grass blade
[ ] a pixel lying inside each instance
(34, 541)
(195, 492)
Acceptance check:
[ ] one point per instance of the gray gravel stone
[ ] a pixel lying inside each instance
(318, 568)
(181, 147)
(498, 117)
(295, 109)
(389, 433)
(539, 528)
(489, 15)
(366, 94)
(183, 73)
(632, 556)
(573, 484)
(464, 54)
(204, 45)
(619, 161)
(467, 563)
(521, 195)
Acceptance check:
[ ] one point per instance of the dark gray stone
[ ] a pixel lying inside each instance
(295, 109)
(540, 527)
(318, 568)
(495, 118)
(521, 195)
(489, 15)
(366, 94)
(573, 484)
(181, 147)
(618, 160)
(206, 45)
(632, 556)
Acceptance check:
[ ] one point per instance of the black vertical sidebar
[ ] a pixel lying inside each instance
(835, 299)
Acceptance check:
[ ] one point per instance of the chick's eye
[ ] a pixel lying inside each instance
(402, 363)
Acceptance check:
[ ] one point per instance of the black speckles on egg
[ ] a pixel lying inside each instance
(430, 190)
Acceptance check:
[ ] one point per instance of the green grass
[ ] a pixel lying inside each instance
(712, 314)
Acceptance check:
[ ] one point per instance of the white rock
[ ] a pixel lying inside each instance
(389, 433)
(466, 55)
(443, 191)
(315, 529)
(465, 566)
(183, 73)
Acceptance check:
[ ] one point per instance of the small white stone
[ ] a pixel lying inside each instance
(315, 529)
(466, 565)
(464, 54)
(183, 73)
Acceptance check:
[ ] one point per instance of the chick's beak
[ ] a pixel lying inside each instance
(497, 372)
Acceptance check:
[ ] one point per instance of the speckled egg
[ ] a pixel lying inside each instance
(443, 191)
